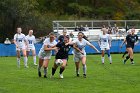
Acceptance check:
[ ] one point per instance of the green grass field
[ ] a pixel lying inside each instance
(114, 78)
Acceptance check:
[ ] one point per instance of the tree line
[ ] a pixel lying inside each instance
(39, 14)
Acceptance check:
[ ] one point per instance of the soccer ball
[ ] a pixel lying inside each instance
(58, 62)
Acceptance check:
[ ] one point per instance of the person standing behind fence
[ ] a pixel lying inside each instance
(105, 44)
(30, 45)
(20, 42)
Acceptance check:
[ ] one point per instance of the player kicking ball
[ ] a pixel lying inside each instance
(105, 44)
(61, 56)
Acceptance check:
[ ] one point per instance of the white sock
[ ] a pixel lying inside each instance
(34, 58)
(25, 61)
(103, 59)
(84, 69)
(110, 59)
(18, 62)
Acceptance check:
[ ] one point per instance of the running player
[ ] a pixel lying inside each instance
(131, 41)
(45, 53)
(80, 54)
(30, 45)
(20, 42)
(62, 54)
(105, 44)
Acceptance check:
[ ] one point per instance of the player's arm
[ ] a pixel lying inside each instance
(15, 42)
(99, 41)
(123, 43)
(92, 46)
(76, 48)
(137, 40)
(47, 48)
(109, 40)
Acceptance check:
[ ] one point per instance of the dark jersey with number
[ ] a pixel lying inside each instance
(131, 39)
(63, 50)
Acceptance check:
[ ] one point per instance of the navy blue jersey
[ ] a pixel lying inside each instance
(131, 39)
(63, 50)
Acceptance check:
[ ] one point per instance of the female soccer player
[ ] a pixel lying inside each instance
(80, 54)
(131, 41)
(20, 42)
(63, 50)
(45, 53)
(30, 45)
(105, 44)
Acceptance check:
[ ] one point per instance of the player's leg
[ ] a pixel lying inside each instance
(25, 57)
(54, 69)
(83, 59)
(131, 55)
(62, 68)
(39, 66)
(124, 54)
(109, 56)
(128, 56)
(18, 58)
(45, 65)
(77, 64)
(34, 56)
(102, 58)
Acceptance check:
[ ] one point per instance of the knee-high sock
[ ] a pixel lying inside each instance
(102, 58)
(61, 70)
(77, 71)
(34, 58)
(18, 62)
(84, 69)
(110, 59)
(25, 61)
(45, 70)
(53, 71)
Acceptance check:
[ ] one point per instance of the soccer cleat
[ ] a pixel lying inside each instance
(35, 64)
(124, 61)
(84, 75)
(26, 66)
(39, 73)
(61, 76)
(102, 63)
(132, 63)
(52, 76)
(45, 76)
(110, 63)
(78, 75)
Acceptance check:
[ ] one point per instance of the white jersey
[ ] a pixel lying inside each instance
(49, 44)
(81, 45)
(20, 39)
(104, 41)
(31, 41)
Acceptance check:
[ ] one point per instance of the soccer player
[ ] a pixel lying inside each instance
(20, 42)
(105, 44)
(30, 45)
(61, 37)
(62, 54)
(80, 54)
(131, 41)
(45, 53)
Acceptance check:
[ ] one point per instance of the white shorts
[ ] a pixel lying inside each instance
(30, 48)
(44, 55)
(77, 57)
(105, 48)
(21, 48)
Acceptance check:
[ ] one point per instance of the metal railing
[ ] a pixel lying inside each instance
(94, 24)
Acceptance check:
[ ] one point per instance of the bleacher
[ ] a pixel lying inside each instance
(95, 28)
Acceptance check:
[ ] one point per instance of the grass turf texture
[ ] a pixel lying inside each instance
(114, 78)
